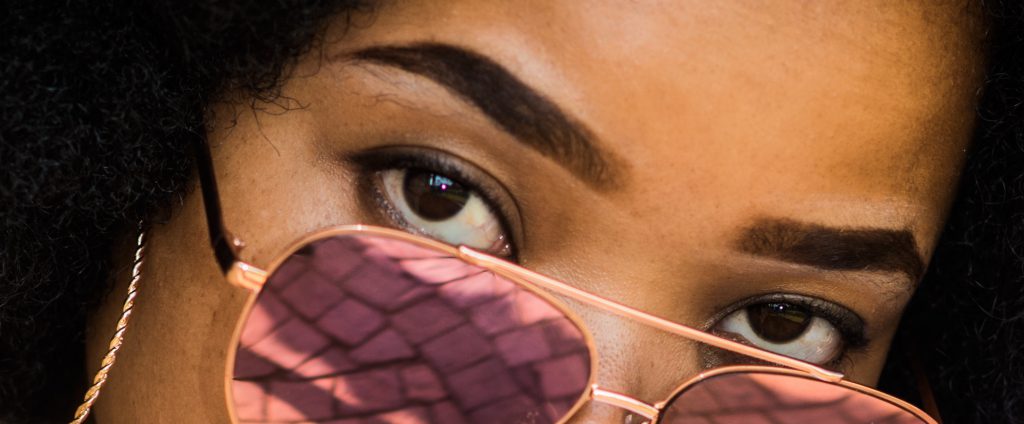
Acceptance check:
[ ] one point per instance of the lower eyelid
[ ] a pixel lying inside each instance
(713, 357)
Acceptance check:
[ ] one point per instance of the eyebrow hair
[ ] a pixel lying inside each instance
(511, 104)
(831, 248)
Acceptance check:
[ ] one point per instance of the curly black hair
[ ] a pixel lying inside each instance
(100, 101)
(966, 322)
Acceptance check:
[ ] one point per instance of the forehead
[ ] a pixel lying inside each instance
(778, 104)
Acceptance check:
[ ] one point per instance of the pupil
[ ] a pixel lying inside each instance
(432, 196)
(778, 322)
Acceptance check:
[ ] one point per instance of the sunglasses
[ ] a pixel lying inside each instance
(360, 324)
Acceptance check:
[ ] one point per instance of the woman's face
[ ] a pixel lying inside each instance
(748, 168)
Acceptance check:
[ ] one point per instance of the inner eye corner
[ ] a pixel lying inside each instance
(791, 321)
(434, 196)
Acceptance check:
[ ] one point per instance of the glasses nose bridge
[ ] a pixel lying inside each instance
(629, 403)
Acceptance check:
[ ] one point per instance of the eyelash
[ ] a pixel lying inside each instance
(850, 325)
(372, 163)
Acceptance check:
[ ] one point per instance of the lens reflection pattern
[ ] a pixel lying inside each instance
(363, 329)
(763, 397)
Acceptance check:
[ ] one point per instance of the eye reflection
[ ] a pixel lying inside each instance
(442, 207)
(778, 322)
(433, 197)
(787, 329)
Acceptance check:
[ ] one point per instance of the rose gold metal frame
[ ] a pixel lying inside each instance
(253, 279)
(759, 369)
(793, 366)
(250, 277)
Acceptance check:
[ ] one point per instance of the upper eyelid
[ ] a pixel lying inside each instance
(809, 301)
(522, 112)
(402, 158)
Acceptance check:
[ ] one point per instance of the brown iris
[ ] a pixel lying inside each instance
(432, 196)
(778, 322)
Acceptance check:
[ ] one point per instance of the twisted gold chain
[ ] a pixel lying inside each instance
(115, 342)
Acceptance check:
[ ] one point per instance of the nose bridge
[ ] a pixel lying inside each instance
(638, 407)
(637, 360)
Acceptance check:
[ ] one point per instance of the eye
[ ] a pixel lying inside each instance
(444, 208)
(788, 329)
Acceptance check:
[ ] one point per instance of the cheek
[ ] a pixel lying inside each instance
(639, 360)
(274, 183)
(172, 362)
(866, 366)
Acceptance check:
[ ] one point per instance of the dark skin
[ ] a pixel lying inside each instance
(713, 125)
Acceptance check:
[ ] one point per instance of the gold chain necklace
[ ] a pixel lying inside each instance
(115, 342)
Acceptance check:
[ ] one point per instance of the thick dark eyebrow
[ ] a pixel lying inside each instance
(515, 107)
(830, 248)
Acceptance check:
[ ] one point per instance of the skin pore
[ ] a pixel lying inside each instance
(685, 158)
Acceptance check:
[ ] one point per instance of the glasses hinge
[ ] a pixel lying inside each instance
(246, 276)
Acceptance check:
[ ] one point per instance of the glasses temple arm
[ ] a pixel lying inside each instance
(513, 271)
(219, 238)
(924, 389)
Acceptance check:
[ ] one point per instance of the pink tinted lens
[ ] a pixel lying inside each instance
(759, 397)
(360, 329)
